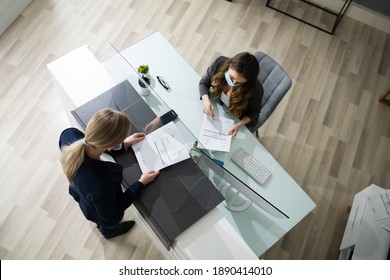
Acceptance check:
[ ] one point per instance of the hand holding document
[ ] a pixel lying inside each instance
(161, 148)
(214, 133)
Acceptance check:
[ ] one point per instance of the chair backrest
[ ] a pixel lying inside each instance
(276, 83)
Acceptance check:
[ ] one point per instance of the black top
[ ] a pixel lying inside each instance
(97, 186)
(254, 104)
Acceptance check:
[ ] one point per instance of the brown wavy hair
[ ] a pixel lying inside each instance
(247, 66)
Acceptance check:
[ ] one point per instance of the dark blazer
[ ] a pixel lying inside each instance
(97, 186)
(254, 104)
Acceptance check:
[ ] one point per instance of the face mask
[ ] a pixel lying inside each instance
(229, 81)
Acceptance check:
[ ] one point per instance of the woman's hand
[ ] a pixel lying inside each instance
(132, 139)
(153, 125)
(233, 132)
(208, 109)
(149, 176)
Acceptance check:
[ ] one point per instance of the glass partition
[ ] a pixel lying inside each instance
(121, 69)
(257, 226)
(236, 193)
(231, 181)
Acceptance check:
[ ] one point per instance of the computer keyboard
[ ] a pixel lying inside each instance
(255, 169)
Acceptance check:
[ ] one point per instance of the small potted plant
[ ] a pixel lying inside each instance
(143, 70)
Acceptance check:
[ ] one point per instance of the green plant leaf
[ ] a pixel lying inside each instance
(143, 69)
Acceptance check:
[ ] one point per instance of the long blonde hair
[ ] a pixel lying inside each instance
(105, 129)
(245, 64)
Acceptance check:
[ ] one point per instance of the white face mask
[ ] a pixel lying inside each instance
(229, 81)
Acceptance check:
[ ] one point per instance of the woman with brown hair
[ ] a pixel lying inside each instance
(233, 82)
(95, 179)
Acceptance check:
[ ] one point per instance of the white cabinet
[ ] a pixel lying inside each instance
(365, 238)
(9, 11)
(79, 77)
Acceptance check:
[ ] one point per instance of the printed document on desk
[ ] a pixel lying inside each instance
(161, 148)
(214, 133)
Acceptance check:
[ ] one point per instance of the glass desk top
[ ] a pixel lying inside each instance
(257, 227)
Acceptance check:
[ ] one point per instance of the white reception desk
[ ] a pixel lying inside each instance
(220, 234)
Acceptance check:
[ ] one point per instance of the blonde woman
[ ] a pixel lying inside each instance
(95, 179)
(233, 82)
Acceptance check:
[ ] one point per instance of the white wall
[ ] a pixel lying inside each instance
(9, 11)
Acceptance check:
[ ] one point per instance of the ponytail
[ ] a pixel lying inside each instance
(72, 157)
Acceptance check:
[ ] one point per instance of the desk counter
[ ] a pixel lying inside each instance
(220, 234)
(259, 229)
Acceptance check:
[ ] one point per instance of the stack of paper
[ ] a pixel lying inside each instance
(161, 148)
(214, 133)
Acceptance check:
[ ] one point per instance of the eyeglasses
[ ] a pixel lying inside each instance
(163, 83)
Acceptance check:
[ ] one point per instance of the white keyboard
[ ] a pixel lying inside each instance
(254, 168)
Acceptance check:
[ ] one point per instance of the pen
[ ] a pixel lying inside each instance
(211, 109)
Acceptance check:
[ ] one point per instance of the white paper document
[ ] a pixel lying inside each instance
(214, 133)
(161, 148)
(380, 205)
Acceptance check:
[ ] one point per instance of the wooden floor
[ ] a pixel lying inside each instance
(330, 132)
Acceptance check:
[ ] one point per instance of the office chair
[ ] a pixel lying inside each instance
(276, 83)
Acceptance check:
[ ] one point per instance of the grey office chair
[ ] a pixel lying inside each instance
(276, 83)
